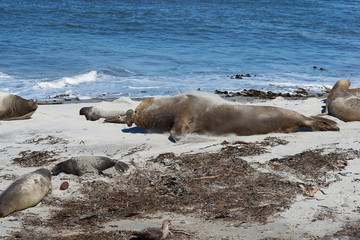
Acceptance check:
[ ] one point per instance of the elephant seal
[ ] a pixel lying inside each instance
(344, 103)
(208, 113)
(114, 111)
(83, 164)
(154, 233)
(13, 107)
(27, 191)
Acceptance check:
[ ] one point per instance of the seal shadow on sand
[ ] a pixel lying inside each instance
(137, 130)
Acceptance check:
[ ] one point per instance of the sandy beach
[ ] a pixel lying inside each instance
(302, 185)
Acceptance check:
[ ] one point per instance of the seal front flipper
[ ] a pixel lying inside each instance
(323, 124)
(181, 127)
(118, 119)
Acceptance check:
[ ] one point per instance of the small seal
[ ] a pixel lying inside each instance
(154, 233)
(13, 107)
(84, 164)
(344, 103)
(209, 114)
(114, 111)
(27, 191)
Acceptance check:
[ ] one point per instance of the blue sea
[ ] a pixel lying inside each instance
(139, 48)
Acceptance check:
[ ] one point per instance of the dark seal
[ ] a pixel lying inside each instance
(87, 164)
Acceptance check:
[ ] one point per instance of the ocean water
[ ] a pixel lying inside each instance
(143, 48)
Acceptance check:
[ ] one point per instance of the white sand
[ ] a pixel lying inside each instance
(108, 139)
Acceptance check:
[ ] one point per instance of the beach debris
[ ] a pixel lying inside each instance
(313, 164)
(274, 164)
(35, 158)
(301, 91)
(309, 191)
(239, 76)
(154, 233)
(64, 185)
(268, 95)
(51, 140)
(326, 88)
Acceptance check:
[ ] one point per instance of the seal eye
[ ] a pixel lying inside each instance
(135, 111)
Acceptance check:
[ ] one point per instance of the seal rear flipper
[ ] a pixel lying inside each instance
(118, 119)
(323, 124)
(181, 127)
(121, 166)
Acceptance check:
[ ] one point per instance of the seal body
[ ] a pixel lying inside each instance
(83, 164)
(27, 191)
(13, 107)
(207, 113)
(344, 103)
(154, 233)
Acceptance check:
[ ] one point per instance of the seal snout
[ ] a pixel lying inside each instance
(130, 117)
(33, 105)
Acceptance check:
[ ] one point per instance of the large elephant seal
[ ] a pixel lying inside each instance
(114, 111)
(13, 107)
(344, 103)
(84, 164)
(27, 191)
(207, 113)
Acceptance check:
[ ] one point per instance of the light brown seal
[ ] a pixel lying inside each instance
(207, 113)
(344, 103)
(13, 107)
(83, 164)
(154, 233)
(27, 191)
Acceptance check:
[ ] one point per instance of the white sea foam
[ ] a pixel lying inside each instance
(154, 87)
(4, 76)
(69, 81)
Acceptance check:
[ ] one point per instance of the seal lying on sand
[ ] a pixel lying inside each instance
(344, 103)
(154, 233)
(26, 191)
(13, 107)
(81, 165)
(207, 113)
(114, 111)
